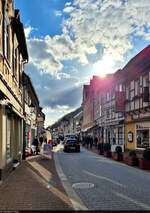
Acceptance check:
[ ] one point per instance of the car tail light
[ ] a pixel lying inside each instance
(66, 144)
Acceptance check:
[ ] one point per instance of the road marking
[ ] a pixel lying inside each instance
(74, 198)
(138, 203)
(104, 178)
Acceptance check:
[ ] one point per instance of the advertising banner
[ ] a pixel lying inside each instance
(47, 151)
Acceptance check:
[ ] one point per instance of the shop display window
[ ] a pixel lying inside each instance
(142, 138)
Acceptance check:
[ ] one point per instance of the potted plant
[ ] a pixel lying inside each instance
(107, 150)
(144, 163)
(131, 159)
(117, 155)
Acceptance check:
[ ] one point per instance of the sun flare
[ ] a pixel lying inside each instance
(103, 66)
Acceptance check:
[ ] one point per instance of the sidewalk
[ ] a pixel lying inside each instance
(34, 185)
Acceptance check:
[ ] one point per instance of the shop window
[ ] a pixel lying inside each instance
(120, 135)
(142, 138)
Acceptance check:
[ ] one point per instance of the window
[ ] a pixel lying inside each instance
(120, 135)
(15, 62)
(132, 85)
(145, 81)
(142, 136)
(107, 96)
(120, 88)
(127, 92)
(6, 40)
(100, 110)
(137, 88)
(112, 95)
(107, 113)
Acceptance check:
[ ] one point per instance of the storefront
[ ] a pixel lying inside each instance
(142, 135)
(137, 135)
(114, 134)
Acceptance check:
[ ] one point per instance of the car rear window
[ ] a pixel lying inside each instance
(72, 142)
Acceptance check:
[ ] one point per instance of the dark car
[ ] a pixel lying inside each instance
(72, 145)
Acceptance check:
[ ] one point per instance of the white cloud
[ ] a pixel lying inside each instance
(28, 30)
(68, 4)
(58, 13)
(68, 9)
(110, 23)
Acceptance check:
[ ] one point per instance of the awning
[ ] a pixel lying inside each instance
(86, 129)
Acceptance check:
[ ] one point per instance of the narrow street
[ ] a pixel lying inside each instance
(112, 185)
(75, 181)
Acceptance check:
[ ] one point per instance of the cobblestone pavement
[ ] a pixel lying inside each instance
(34, 185)
(116, 185)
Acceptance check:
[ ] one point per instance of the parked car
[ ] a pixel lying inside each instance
(72, 145)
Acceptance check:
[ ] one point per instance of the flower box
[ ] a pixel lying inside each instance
(117, 157)
(131, 161)
(144, 164)
(101, 152)
(107, 154)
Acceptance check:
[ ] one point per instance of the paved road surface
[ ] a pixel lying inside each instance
(116, 185)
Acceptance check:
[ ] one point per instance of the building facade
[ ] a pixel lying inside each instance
(13, 56)
(137, 101)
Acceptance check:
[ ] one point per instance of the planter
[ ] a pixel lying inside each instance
(144, 164)
(117, 157)
(107, 154)
(101, 152)
(131, 161)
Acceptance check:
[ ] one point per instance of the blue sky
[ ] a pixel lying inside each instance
(69, 41)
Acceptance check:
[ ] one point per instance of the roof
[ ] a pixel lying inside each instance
(19, 30)
(30, 82)
(138, 64)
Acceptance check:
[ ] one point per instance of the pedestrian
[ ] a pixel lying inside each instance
(41, 140)
(83, 141)
(95, 141)
(87, 141)
(45, 140)
(36, 144)
(100, 145)
(91, 142)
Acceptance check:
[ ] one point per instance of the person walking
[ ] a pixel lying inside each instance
(41, 140)
(100, 145)
(95, 141)
(36, 144)
(91, 142)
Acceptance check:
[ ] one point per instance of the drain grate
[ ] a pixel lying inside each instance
(83, 185)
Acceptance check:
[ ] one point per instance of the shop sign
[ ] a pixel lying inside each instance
(143, 126)
(130, 137)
